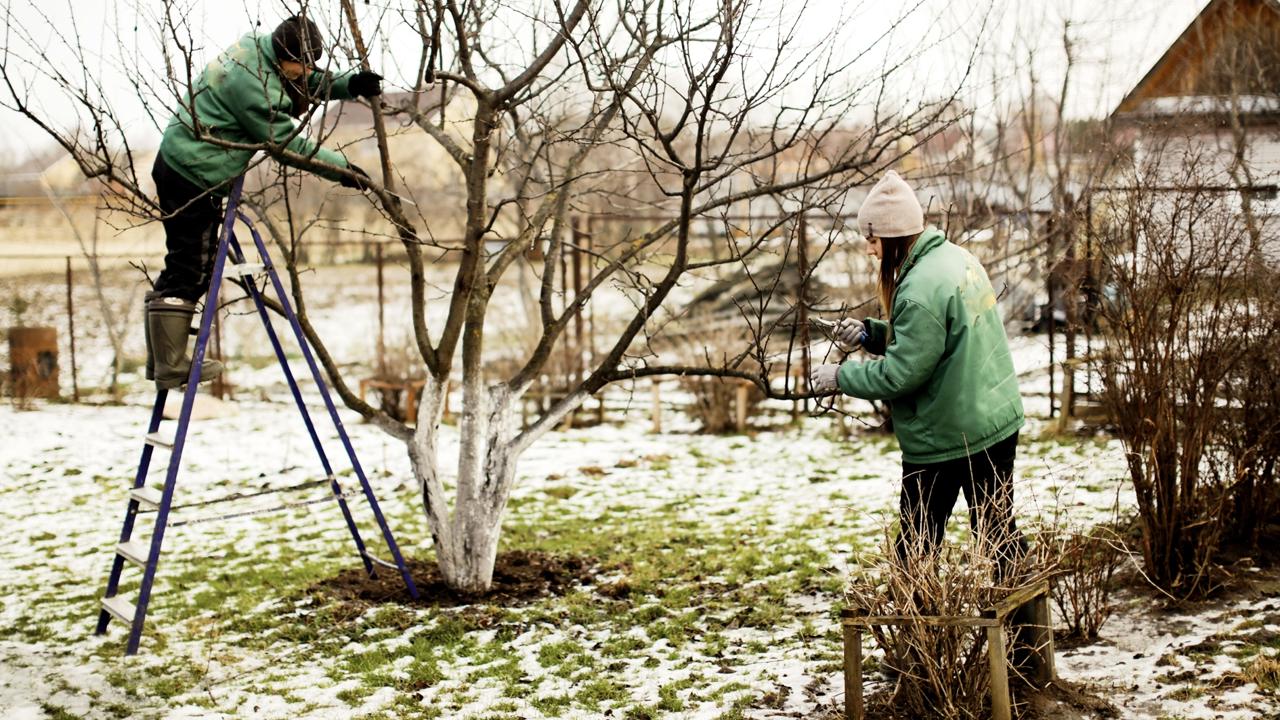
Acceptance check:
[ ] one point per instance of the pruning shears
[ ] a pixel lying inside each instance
(397, 196)
(828, 328)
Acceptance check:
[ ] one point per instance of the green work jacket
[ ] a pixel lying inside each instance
(240, 98)
(946, 368)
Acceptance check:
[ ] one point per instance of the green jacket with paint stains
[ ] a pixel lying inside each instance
(946, 368)
(240, 97)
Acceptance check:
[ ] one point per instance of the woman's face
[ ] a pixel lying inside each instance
(873, 247)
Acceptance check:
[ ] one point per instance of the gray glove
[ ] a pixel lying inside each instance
(849, 334)
(822, 378)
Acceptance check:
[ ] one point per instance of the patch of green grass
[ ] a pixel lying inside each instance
(368, 661)
(668, 698)
(411, 707)
(355, 695)
(641, 712)
(735, 711)
(599, 690)
(56, 712)
(33, 630)
(622, 646)
(116, 710)
(552, 705)
(556, 653)
(658, 463)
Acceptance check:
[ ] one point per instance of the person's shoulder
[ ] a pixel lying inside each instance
(946, 260)
(935, 277)
(246, 65)
(948, 252)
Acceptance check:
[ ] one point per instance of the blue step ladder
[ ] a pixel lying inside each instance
(145, 499)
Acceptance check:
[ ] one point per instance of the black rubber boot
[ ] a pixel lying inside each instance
(169, 323)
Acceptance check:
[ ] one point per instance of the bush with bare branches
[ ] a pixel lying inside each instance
(713, 400)
(1087, 561)
(942, 668)
(1253, 395)
(1187, 331)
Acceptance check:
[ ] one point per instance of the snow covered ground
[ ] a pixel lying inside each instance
(730, 552)
(816, 497)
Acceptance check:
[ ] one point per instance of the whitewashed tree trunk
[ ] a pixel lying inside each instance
(466, 537)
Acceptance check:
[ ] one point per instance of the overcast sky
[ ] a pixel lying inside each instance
(1116, 43)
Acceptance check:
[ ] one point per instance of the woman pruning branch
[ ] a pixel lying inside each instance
(945, 369)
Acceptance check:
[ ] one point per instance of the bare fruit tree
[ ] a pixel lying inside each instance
(687, 110)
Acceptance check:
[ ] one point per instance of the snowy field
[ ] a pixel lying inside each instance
(717, 568)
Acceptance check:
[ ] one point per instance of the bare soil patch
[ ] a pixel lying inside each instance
(519, 577)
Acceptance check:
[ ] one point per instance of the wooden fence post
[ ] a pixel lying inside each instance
(853, 709)
(71, 335)
(1040, 637)
(656, 412)
(382, 338)
(999, 662)
(740, 407)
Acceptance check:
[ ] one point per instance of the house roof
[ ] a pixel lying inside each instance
(1180, 70)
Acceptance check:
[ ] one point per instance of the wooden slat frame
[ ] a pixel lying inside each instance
(992, 619)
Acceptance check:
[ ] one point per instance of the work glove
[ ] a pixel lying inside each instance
(361, 180)
(365, 84)
(822, 378)
(849, 334)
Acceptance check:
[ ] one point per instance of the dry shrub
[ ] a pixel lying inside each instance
(1263, 671)
(1087, 563)
(1190, 330)
(714, 399)
(1251, 435)
(19, 388)
(943, 671)
(402, 365)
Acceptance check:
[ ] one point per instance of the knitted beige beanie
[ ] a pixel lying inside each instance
(891, 209)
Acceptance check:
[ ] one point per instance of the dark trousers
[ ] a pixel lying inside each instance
(192, 221)
(929, 493)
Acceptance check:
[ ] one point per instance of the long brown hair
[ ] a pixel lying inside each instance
(893, 252)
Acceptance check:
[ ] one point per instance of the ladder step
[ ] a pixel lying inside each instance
(120, 608)
(380, 561)
(156, 439)
(146, 495)
(245, 269)
(135, 551)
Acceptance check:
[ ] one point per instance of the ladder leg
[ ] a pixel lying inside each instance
(387, 535)
(131, 514)
(258, 302)
(184, 420)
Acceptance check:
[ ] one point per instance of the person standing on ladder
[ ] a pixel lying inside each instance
(244, 100)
